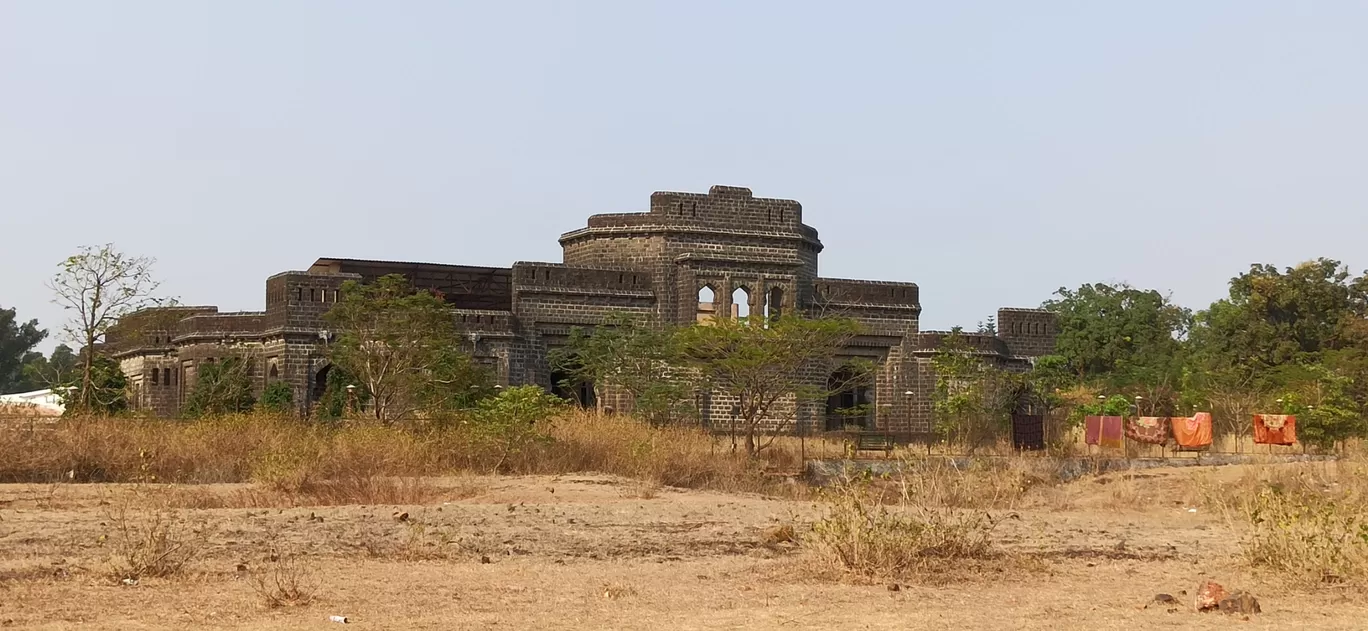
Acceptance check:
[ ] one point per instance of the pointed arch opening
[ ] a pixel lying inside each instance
(740, 299)
(707, 304)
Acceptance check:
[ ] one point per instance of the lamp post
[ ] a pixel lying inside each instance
(1101, 411)
(351, 400)
(1138, 399)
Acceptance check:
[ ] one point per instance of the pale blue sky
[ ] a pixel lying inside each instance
(990, 152)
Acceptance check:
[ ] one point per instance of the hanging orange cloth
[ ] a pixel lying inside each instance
(1192, 433)
(1275, 429)
(1111, 432)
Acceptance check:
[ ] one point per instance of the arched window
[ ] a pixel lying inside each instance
(707, 305)
(741, 303)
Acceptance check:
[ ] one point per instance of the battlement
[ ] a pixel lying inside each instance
(221, 325)
(152, 327)
(729, 206)
(1029, 332)
(533, 276)
(976, 343)
(841, 291)
(483, 321)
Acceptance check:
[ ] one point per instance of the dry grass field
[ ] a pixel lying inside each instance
(596, 551)
(193, 528)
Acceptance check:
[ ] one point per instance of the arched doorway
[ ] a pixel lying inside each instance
(320, 384)
(564, 385)
(774, 303)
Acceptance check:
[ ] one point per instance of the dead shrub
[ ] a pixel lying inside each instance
(156, 542)
(861, 533)
(285, 580)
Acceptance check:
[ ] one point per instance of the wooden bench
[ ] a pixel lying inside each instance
(871, 441)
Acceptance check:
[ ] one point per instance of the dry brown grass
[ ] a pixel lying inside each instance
(342, 492)
(1303, 524)
(978, 483)
(366, 462)
(861, 533)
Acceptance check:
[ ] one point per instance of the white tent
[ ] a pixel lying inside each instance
(38, 403)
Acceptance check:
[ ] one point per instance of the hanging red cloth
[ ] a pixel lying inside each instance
(1092, 429)
(1112, 432)
(1192, 433)
(1275, 429)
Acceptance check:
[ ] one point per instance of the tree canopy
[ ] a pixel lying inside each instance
(17, 340)
(404, 349)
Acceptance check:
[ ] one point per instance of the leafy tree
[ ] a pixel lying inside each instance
(513, 420)
(97, 286)
(221, 387)
(1284, 333)
(404, 349)
(1120, 334)
(47, 372)
(1326, 412)
(100, 388)
(629, 353)
(1273, 318)
(765, 367)
(16, 345)
(278, 397)
(973, 400)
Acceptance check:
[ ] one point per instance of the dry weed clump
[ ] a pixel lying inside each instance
(285, 580)
(979, 483)
(861, 533)
(1305, 523)
(1308, 539)
(149, 542)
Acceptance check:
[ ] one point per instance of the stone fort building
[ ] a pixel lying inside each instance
(690, 256)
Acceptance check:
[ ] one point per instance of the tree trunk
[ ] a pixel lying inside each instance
(87, 377)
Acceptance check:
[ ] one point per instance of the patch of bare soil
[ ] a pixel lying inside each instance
(595, 552)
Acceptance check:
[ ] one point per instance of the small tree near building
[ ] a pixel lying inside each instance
(97, 286)
(221, 387)
(630, 353)
(404, 349)
(764, 367)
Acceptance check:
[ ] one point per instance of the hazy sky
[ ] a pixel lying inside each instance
(991, 152)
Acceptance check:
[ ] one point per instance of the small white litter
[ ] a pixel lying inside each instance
(339, 619)
(1192, 510)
